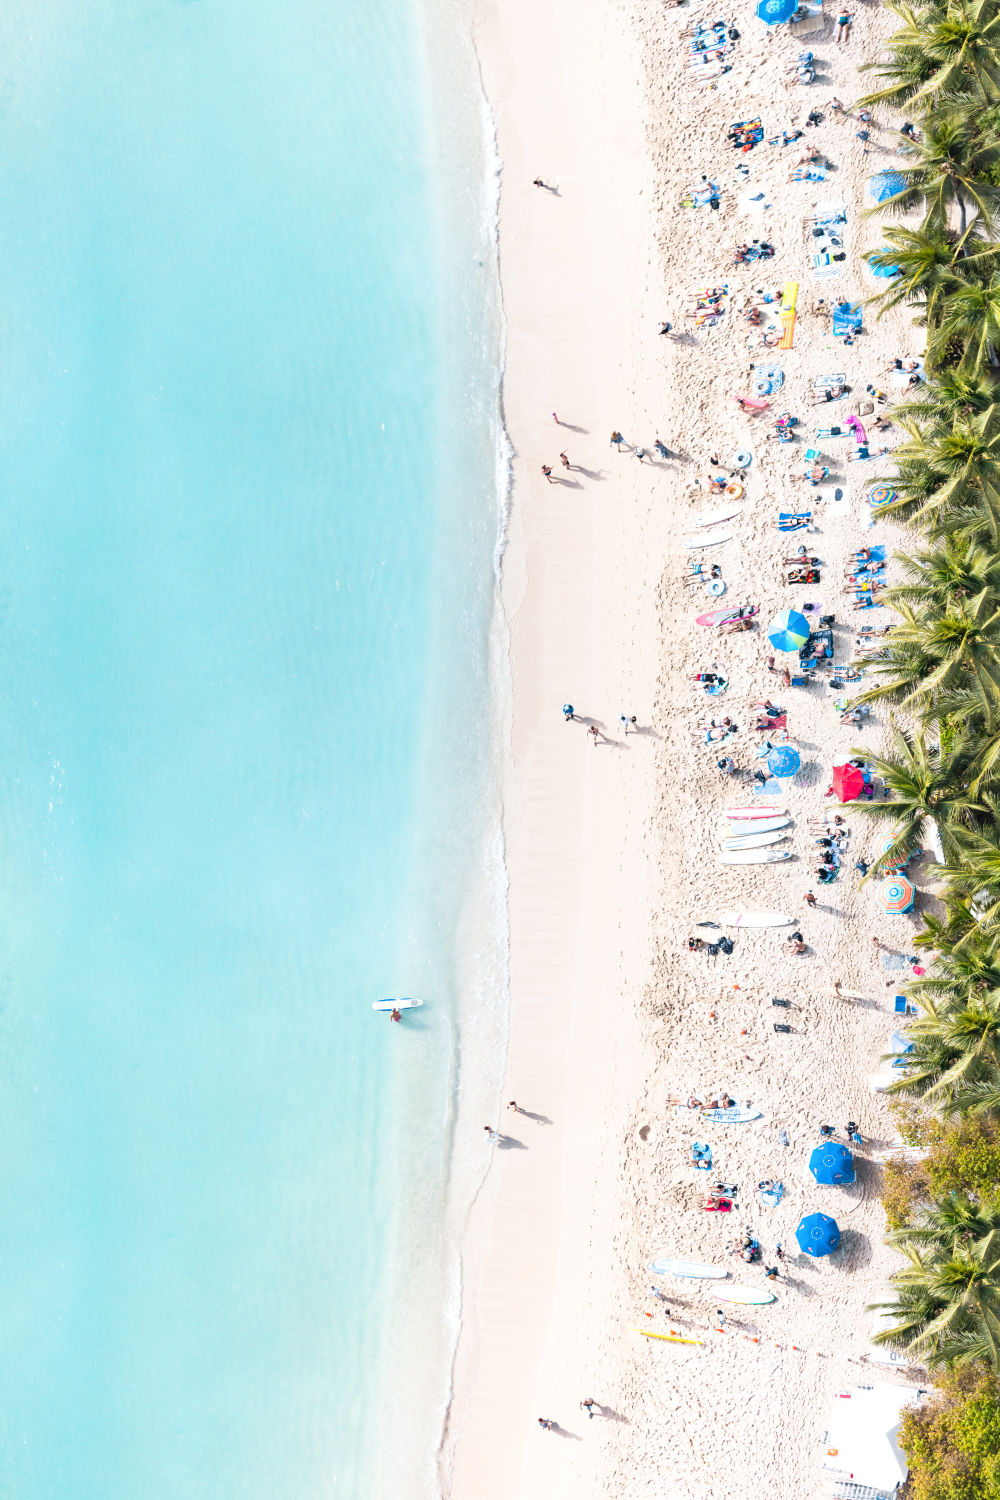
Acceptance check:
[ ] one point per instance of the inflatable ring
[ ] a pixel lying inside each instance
(734, 490)
(742, 459)
(716, 587)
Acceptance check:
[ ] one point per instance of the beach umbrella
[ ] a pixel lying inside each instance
(848, 782)
(783, 761)
(895, 894)
(885, 185)
(788, 631)
(881, 494)
(831, 1164)
(817, 1234)
(773, 12)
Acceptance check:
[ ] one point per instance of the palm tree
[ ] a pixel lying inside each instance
(949, 477)
(955, 570)
(952, 1220)
(950, 167)
(956, 1046)
(924, 783)
(947, 1304)
(954, 396)
(968, 329)
(974, 879)
(942, 52)
(931, 261)
(951, 650)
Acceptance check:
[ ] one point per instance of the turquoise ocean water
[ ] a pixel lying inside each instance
(248, 710)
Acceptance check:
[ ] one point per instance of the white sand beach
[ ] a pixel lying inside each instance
(613, 847)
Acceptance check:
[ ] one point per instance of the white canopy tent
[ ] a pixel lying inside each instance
(863, 1458)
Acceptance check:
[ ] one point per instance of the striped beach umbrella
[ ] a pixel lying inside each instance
(881, 494)
(788, 631)
(895, 894)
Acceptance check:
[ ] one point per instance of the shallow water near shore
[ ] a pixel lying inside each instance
(248, 362)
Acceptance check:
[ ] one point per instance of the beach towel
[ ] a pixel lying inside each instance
(754, 402)
(893, 961)
(781, 722)
(824, 266)
(846, 319)
(826, 382)
(772, 1196)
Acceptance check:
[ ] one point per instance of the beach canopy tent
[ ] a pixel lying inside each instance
(783, 760)
(832, 1164)
(788, 631)
(848, 782)
(895, 895)
(817, 1234)
(886, 185)
(773, 12)
(862, 1456)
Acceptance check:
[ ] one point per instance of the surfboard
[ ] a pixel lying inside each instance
(750, 1296)
(744, 814)
(405, 1002)
(715, 517)
(690, 1268)
(668, 1338)
(754, 840)
(755, 919)
(746, 829)
(844, 994)
(720, 616)
(736, 1114)
(709, 539)
(753, 856)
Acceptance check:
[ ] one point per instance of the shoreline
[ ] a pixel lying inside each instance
(573, 815)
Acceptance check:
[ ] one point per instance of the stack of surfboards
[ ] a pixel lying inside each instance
(713, 527)
(749, 831)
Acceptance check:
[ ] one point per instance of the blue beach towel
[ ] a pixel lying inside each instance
(772, 1196)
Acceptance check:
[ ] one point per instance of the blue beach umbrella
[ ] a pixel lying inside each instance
(817, 1234)
(783, 761)
(773, 12)
(886, 271)
(885, 185)
(788, 631)
(831, 1164)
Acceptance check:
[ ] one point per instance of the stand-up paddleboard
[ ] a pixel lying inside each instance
(753, 856)
(405, 1002)
(750, 1296)
(668, 1338)
(709, 538)
(721, 616)
(748, 814)
(691, 1268)
(754, 840)
(716, 517)
(744, 827)
(755, 919)
(844, 994)
(736, 1114)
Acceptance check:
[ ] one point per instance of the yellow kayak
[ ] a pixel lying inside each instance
(669, 1338)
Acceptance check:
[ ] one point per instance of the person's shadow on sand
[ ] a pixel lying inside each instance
(510, 1143)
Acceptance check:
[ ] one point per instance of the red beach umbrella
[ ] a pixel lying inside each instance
(848, 782)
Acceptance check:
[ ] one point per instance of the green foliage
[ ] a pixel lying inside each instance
(952, 1441)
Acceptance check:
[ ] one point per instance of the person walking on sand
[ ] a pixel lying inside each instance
(594, 733)
(844, 25)
(809, 898)
(661, 448)
(640, 454)
(556, 420)
(513, 1104)
(547, 471)
(548, 1423)
(721, 1317)
(565, 461)
(494, 1135)
(617, 440)
(626, 721)
(568, 712)
(588, 1406)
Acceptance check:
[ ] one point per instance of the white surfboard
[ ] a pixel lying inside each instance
(687, 1268)
(747, 814)
(750, 1296)
(742, 830)
(716, 517)
(755, 919)
(405, 1002)
(753, 856)
(708, 539)
(755, 840)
